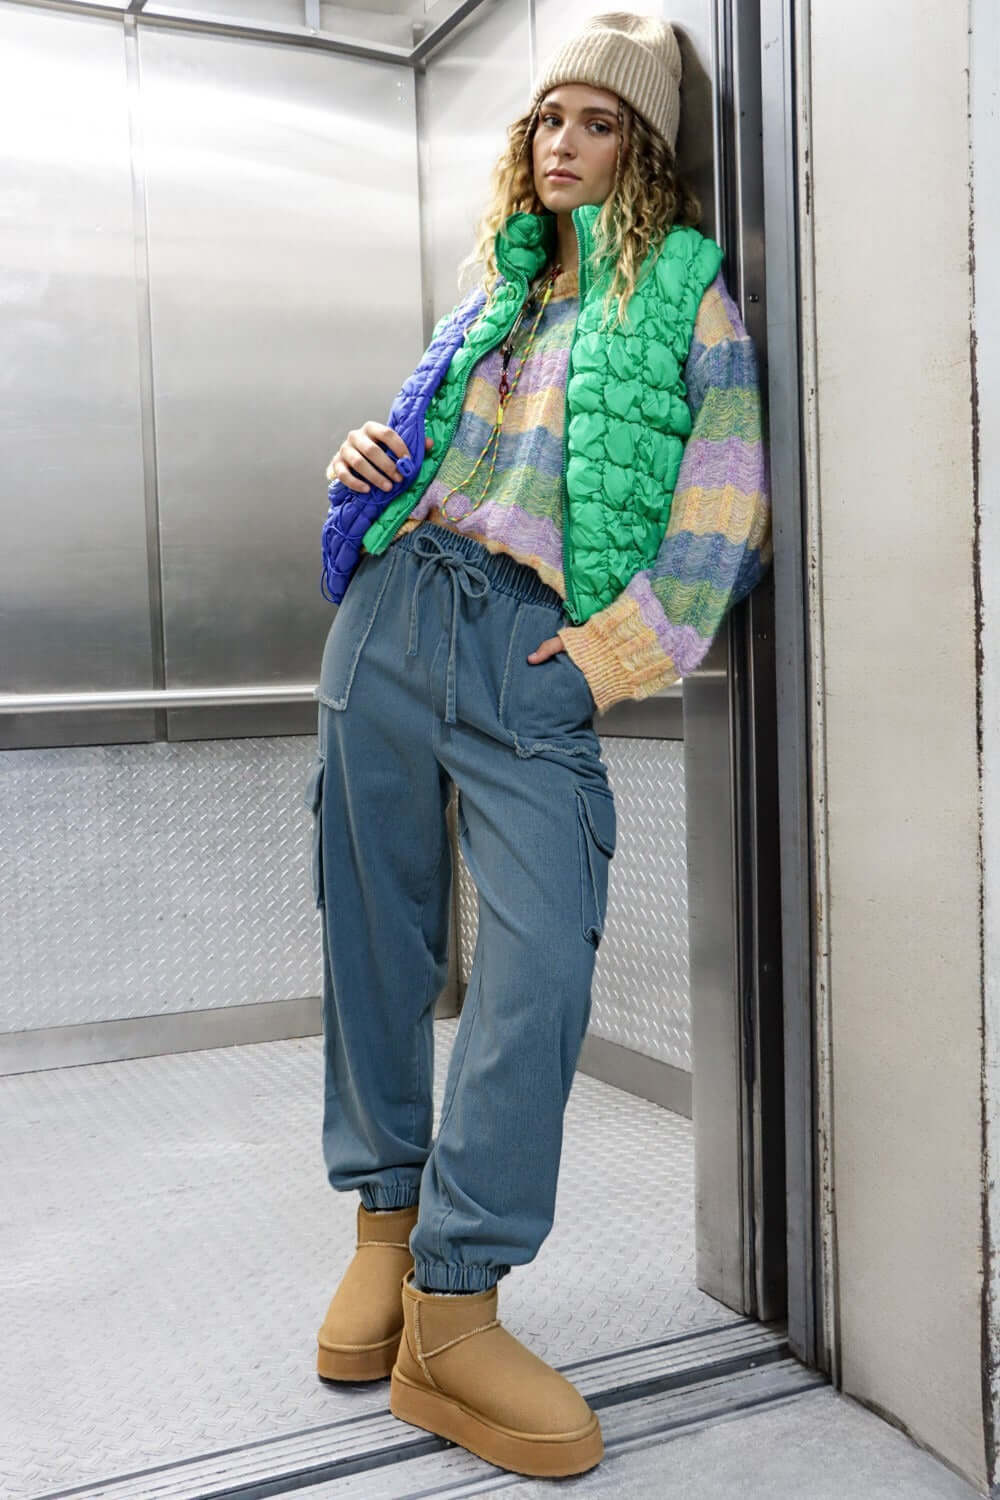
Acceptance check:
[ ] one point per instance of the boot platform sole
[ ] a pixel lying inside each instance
(373, 1362)
(525, 1453)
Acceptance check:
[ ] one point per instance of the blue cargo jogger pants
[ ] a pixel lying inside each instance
(425, 683)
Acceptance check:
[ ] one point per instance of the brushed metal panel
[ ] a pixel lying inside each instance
(660, 716)
(645, 1076)
(283, 12)
(695, 26)
(153, 879)
(236, 723)
(641, 991)
(787, 108)
(150, 1036)
(379, 22)
(757, 797)
(73, 570)
(285, 291)
(33, 731)
(391, 27)
(717, 1094)
(475, 83)
(730, 749)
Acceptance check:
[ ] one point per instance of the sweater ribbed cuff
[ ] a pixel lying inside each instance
(618, 654)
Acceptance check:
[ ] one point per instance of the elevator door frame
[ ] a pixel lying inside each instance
(759, 1232)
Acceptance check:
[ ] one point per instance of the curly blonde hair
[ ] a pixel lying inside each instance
(648, 197)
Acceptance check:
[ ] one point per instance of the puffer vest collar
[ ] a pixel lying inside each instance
(626, 419)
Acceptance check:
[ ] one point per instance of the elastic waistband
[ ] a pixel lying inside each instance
(504, 572)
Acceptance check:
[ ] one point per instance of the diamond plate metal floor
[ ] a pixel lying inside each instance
(168, 1244)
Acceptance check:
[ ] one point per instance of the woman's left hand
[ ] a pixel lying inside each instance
(545, 650)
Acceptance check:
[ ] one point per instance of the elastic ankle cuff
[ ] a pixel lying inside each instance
(438, 1277)
(385, 1199)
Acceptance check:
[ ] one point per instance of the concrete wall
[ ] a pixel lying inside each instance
(896, 505)
(985, 112)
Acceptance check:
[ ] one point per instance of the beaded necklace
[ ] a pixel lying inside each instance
(505, 392)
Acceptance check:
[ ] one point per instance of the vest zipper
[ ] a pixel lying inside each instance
(521, 281)
(583, 250)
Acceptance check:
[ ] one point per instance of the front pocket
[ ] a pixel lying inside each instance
(541, 702)
(597, 833)
(313, 799)
(572, 665)
(351, 626)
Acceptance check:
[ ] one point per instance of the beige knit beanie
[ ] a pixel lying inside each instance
(634, 56)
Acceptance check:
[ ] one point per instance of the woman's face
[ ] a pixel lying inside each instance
(576, 131)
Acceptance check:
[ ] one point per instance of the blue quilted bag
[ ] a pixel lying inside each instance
(350, 513)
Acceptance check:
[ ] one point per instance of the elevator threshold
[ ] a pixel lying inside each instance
(642, 1395)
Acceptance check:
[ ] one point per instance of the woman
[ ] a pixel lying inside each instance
(595, 502)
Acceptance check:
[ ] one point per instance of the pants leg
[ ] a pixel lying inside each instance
(383, 875)
(537, 828)
(487, 1200)
(426, 684)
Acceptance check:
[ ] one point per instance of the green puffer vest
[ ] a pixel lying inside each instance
(627, 417)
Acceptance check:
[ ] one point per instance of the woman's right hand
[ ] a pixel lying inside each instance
(359, 458)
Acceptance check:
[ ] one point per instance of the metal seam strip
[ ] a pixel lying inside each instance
(295, 36)
(144, 333)
(321, 1455)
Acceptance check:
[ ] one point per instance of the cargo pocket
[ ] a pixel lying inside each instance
(597, 833)
(313, 799)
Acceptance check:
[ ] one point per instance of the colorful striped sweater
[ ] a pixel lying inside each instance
(717, 544)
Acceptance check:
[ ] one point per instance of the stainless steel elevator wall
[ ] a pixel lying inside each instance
(211, 271)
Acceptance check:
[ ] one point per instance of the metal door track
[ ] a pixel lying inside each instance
(641, 1393)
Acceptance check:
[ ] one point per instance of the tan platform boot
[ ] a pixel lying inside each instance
(364, 1322)
(461, 1374)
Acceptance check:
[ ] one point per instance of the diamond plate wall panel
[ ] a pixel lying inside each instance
(642, 994)
(169, 1244)
(138, 880)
